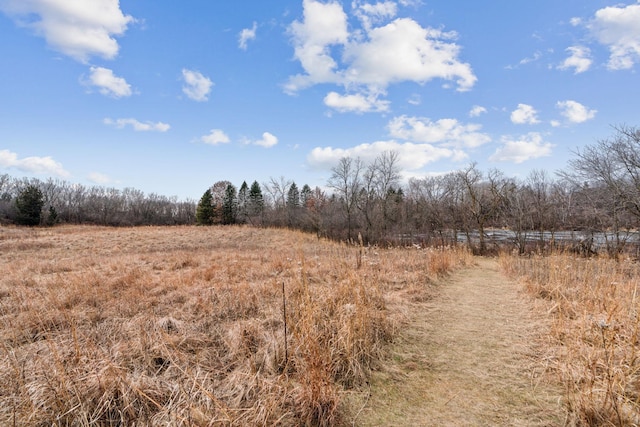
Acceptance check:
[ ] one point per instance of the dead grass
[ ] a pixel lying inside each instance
(184, 325)
(595, 333)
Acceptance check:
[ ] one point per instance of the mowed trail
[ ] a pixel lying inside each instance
(467, 358)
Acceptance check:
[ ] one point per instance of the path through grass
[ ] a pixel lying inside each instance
(468, 358)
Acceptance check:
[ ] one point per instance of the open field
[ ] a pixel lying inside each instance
(184, 325)
(594, 339)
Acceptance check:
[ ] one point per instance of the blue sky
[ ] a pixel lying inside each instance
(171, 97)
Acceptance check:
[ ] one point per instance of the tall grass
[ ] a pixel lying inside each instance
(594, 344)
(184, 325)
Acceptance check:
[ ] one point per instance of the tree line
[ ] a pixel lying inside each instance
(593, 205)
(596, 199)
(30, 201)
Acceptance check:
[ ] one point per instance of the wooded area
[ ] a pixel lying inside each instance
(594, 205)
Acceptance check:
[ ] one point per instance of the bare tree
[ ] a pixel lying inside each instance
(485, 199)
(612, 165)
(346, 181)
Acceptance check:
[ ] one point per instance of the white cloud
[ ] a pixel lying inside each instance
(415, 99)
(526, 147)
(137, 125)
(422, 141)
(370, 13)
(368, 60)
(579, 60)
(411, 156)
(108, 83)
(324, 25)
(575, 112)
(524, 114)
(618, 28)
(77, 28)
(247, 34)
(196, 86)
(35, 165)
(536, 56)
(477, 110)
(445, 132)
(575, 21)
(356, 103)
(99, 178)
(412, 3)
(268, 140)
(404, 51)
(215, 137)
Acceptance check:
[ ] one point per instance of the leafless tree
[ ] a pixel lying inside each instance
(346, 181)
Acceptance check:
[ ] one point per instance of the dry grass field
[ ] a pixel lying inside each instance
(594, 342)
(184, 325)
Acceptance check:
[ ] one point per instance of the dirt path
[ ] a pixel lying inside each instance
(466, 359)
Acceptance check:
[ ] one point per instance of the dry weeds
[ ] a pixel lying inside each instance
(594, 339)
(184, 325)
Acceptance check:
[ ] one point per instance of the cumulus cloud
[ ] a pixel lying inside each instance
(77, 28)
(575, 112)
(417, 140)
(524, 114)
(108, 83)
(477, 110)
(215, 137)
(246, 35)
(519, 150)
(370, 14)
(196, 86)
(137, 125)
(268, 140)
(369, 59)
(618, 28)
(445, 132)
(404, 51)
(411, 156)
(323, 25)
(579, 59)
(356, 103)
(35, 165)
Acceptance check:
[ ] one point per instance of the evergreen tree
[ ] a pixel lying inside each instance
(204, 211)
(256, 200)
(29, 204)
(305, 195)
(243, 202)
(52, 218)
(293, 196)
(230, 205)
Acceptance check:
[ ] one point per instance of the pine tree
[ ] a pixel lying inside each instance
(52, 218)
(243, 202)
(204, 211)
(230, 205)
(29, 204)
(293, 196)
(255, 204)
(305, 195)
(256, 200)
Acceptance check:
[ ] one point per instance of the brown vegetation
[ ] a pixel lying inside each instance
(184, 325)
(593, 345)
